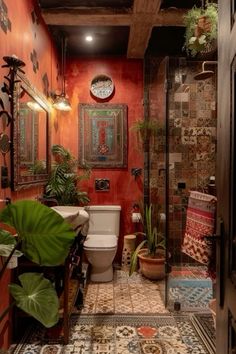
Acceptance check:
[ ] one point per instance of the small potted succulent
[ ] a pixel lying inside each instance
(201, 29)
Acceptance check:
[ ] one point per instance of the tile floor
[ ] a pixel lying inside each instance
(122, 317)
(125, 294)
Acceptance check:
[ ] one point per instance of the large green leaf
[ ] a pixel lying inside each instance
(7, 243)
(46, 237)
(37, 297)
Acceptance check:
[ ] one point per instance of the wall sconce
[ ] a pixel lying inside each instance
(34, 106)
(61, 102)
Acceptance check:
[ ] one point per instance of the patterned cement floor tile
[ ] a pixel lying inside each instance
(122, 317)
(127, 346)
(126, 294)
(163, 347)
(103, 346)
(122, 334)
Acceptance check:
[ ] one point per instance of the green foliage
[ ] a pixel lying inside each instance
(7, 243)
(44, 238)
(198, 43)
(38, 167)
(63, 181)
(37, 297)
(153, 237)
(145, 128)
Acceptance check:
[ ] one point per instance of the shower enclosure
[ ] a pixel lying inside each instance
(182, 158)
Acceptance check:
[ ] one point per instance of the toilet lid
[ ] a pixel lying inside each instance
(100, 241)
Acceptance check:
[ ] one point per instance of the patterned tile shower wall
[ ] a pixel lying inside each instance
(191, 143)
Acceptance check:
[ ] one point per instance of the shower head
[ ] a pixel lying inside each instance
(205, 74)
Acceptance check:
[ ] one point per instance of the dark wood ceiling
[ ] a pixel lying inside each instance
(119, 27)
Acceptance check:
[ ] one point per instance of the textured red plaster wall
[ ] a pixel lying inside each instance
(21, 38)
(128, 79)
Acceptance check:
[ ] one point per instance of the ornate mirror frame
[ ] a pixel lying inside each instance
(19, 181)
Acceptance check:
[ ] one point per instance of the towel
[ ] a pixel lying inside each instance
(200, 222)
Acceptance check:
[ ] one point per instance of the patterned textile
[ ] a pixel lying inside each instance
(200, 222)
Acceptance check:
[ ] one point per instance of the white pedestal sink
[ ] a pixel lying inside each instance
(74, 215)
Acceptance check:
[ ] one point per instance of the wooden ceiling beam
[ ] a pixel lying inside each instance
(75, 18)
(147, 6)
(146, 15)
(143, 18)
(168, 17)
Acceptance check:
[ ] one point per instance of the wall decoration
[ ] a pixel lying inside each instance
(45, 84)
(5, 23)
(34, 59)
(102, 86)
(35, 17)
(103, 135)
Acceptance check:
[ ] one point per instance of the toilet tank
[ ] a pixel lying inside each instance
(104, 219)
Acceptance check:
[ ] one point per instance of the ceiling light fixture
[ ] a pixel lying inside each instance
(89, 38)
(61, 101)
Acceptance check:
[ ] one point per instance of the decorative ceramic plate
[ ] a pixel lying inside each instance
(102, 86)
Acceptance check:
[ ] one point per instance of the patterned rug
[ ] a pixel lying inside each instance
(120, 334)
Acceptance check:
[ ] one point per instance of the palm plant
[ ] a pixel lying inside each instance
(44, 238)
(63, 181)
(154, 239)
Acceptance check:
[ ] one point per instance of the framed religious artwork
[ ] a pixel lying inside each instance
(103, 135)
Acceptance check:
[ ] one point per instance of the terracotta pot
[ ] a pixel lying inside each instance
(152, 268)
(203, 25)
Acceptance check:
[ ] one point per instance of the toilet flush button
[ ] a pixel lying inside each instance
(102, 184)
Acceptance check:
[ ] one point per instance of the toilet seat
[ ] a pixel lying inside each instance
(100, 242)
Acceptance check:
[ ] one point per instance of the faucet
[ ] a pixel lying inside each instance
(7, 200)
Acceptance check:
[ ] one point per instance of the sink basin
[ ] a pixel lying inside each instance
(75, 215)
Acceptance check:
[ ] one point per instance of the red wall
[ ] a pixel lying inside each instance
(21, 38)
(127, 76)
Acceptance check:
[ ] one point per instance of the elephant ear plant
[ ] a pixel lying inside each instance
(44, 238)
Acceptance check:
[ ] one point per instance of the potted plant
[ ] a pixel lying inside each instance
(201, 29)
(145, 129)
(152, 258)
(64, 179)
(45, 239)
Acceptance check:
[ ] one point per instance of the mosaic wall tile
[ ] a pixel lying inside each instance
(192, 139)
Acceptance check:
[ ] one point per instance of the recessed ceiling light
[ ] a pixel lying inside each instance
(89, 38)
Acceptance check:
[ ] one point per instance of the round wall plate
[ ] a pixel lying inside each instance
(102, 86)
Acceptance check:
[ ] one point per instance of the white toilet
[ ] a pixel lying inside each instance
(101, 242)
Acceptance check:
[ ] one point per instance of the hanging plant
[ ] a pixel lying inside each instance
(201, 29)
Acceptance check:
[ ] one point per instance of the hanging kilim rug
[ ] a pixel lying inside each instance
(200, 222)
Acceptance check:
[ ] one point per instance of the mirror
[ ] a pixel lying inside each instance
(30, 132)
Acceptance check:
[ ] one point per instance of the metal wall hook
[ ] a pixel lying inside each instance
(136, 171)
